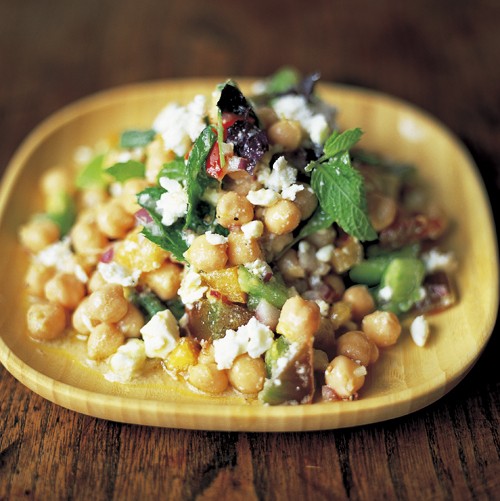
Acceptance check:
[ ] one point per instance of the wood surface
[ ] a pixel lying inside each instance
(441, 55)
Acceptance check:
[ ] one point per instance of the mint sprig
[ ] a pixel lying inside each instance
(340, 188)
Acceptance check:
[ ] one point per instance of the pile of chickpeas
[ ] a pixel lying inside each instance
(320, 308)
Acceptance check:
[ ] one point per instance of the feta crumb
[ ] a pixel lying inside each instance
(290, 193)
(325, 253)
(179, 126)
(191, 288)
(215, 238)
(60, 256)
(160, 334)
(114, 273)
(385, 293)
(263, 197)
(435, 260)
(173, 204)
(253, 338)
(419, 330)
(324, 307)
(282, 175)
(127, 361)
(259, 268)
(360, 371)
(253, 229)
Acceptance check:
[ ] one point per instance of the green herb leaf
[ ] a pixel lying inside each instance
(61, 209)
(92, 175)
(283, 80)
(341, 142)
(135, 138)
(176, 169)
(169, 239)
(197, 179)
(127, 170)
(341, 194)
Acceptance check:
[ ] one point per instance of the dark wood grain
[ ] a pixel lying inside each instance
(443, 56)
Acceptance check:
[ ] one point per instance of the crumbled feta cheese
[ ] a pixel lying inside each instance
(253, 338)
(215, 238)
(360, 371)
(282, 175)
(115, 273)
(191, 288)
(59, 256)
(253, 229)
(160, 334)
(173, 204)
(127, 361)
(419, 330)
(325, 253)
(179, 126)
(296, 107)
(324, 307)
(291, 191)
(263, 197)
(385, 293)
(259, 268)
(435, 260)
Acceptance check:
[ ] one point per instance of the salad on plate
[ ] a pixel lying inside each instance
(240, 245)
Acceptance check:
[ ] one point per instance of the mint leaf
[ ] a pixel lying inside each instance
(135, 138)
(341, 194)
(341, 142)
(92, 175)
(169, 239)
(283, 80)
(122, 171)
(197, 179)
(176, 169)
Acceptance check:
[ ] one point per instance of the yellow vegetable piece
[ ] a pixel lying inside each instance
(183, 355)
(226, 282)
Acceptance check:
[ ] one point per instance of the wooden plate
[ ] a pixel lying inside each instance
(405, 379)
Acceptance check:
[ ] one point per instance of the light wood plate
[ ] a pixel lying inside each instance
(405, 379)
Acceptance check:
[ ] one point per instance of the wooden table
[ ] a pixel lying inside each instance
(443, 56)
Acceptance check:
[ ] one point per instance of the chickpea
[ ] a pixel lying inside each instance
(96, 281)
(306, 201)
(241, 250)
(207, 378)
(344, 376)
(267, 116)
(290, 267)
(323, 237)
(382, 327)
(38, 234)
(336, 284)
(356, 346)
(46, 321)
(104, 340)
(113, 220)
(56, 179)
(165, 280)
(81, 320)
(361, 301)
(207, 354)
(128, 195)
(348, 253)
(92, 197)
(286, 133)
(132, 322)
(88, 239)
(65, 289)
(107, 304)
(299, 319)
(240, 182)
(203, 256)
(340, 314)
(381, 209)
(233, 209)
(36, 278)
(282, 217)
(247, 374)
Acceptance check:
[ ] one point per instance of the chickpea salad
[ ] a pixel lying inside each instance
(241, 245)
